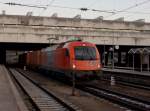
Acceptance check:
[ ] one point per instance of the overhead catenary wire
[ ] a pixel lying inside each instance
(136, 12)
(51, 2)
(128, 8)
(113, 12)
(37, 1)
(57, 6)
(92, 4)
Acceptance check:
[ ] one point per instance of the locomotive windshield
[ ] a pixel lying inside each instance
(85, 53)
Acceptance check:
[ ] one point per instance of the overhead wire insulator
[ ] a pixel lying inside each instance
(25, 5)
(10, 3)
(84, 9)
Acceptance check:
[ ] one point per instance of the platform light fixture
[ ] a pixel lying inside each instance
(116, 47)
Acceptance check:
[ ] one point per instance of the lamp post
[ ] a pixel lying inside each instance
(118, 53)
(113, 57)
(104, 51)
(148, 63)
(111, 49)
(73, 83)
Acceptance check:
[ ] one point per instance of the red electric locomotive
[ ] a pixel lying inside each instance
(73, 56)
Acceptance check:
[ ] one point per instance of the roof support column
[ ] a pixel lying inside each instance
(148, 63)
(133, 61)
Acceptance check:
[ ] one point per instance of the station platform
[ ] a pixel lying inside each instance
(10, 99)
(127, 71)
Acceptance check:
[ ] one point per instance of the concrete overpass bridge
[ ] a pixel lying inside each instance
(32, 32)
(31, 29)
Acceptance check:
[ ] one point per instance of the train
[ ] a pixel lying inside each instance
(81, 58)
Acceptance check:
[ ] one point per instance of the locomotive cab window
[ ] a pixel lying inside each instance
(85, 53)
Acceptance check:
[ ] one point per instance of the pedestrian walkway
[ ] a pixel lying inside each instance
(10, 99)
(127, 71)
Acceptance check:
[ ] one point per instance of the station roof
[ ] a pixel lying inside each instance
(139, 50)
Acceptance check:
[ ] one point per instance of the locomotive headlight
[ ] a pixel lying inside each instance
(74, 66)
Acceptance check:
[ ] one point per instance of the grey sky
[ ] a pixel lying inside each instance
(109, 5)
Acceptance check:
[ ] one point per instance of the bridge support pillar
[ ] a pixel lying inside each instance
(2, 56)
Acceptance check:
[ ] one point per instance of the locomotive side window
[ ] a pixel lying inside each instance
(67, 53)
(85, 53)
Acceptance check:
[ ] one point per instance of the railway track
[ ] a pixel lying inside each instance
(136, 81)
(125, 100)
(129, 84)
(41, 98)
(115, 97)
(134, 85)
